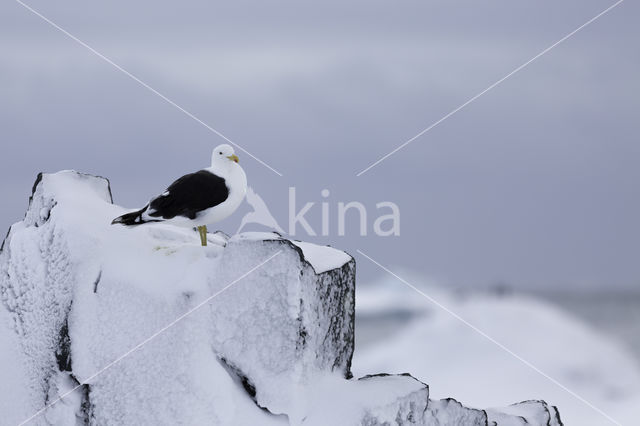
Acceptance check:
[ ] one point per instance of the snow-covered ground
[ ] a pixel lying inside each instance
(398, 330)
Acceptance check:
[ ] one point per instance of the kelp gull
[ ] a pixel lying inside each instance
(197, 199)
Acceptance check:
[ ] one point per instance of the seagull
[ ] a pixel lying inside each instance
(197, 199)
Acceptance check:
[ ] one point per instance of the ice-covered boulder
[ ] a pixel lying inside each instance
(116, 325)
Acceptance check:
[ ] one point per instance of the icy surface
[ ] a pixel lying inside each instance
(147, 327)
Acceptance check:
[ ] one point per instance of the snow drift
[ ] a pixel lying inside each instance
(110, 325)
(399, 332)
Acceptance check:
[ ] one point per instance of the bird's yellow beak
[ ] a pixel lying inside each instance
(233, 158)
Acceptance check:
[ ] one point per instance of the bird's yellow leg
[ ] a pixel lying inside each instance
(202, 237)
(203, 234)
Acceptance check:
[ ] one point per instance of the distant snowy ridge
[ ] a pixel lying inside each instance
(273, 347)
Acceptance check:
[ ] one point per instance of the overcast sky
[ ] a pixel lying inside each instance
(535, 184)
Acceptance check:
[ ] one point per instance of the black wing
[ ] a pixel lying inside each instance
(189, 195)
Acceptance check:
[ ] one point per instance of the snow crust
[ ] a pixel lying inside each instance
(373, 400)
(322, 258)
(15, 401)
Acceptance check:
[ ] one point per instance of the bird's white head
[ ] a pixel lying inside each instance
(223, 155)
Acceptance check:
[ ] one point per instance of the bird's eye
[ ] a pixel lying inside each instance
(220, 152)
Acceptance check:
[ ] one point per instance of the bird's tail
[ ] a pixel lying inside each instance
(131, 219)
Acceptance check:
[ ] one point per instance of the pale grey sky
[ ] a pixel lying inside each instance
(534, 184)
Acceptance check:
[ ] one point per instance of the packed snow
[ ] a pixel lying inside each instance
(322, 258)
(376, 400)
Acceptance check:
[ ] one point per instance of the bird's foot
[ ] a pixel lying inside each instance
(203, 234)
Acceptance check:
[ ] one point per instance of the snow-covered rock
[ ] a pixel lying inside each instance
(525, 413)
(286, 322)
(380, 399)
(142, 325)
(451, 412)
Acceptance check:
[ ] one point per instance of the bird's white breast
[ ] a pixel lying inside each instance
(236, 181)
